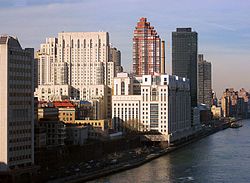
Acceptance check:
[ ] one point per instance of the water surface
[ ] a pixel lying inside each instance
(221, 157)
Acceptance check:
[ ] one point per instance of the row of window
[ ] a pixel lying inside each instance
(21, 131)
(17, 158)
(20, 102)
(22, 139)
(125, 104)
(84, 44)
(20, 94)
(19, 148)
(19, 123)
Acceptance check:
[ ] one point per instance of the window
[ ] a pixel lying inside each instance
(99, 43)
(154, 94)
(122, 88)
(90, 43)
(78, 43)
(116, 89)
(63, 43)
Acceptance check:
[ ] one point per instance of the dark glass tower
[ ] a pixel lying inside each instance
(184, 58)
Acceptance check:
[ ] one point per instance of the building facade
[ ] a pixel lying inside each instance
(229, 103)
(184, 58)
(146, 49)
(204, 82)
(78, 66)
(76, 59)
(115, 57)
(76, 134)
(98, 95)
(66, 111)
(16, 105)
(100, 124)
(163, 106)
(235, 103)
(46, 57)
(86, 55)
(216, 111)
(55, 132)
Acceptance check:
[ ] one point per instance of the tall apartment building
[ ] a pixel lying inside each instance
(204, 81)
(184, 58)
(146, 49)
(46, 57)
(115, 57)
(75, 65)
(86, 55)
(16, 105)
(76, 59)
(163, 105)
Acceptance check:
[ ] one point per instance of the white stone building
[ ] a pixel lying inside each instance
(98, 95)
(126, 112)
(163, 105)
(53, 92)
(16, 105)
(46, 61)
(85, 54)
(78, 63)
(76, 59)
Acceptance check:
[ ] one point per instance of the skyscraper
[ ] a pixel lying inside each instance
(85, 54)
(46, 57)
(146, 49)
(184, 58)
(77, 65)
(204, 81)
(16, 105)
(115, 57)
(77, 59)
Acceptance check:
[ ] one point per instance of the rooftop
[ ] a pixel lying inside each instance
(66, 104)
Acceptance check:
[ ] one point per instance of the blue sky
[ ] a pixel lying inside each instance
(223, 27)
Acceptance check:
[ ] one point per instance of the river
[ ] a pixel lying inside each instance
(223, 157)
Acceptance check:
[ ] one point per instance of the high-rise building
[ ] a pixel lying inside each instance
(184, 58)
(115, 57)
(16, 105)
(76, 59)
(86, 56)
(75, 62)
(146, 49)
(204, 81)
(46, 57)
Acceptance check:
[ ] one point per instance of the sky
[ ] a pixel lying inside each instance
(223, 28)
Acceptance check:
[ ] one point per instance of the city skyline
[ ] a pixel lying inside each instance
(222, 28)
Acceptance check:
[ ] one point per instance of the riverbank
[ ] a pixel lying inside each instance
(142, 159)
